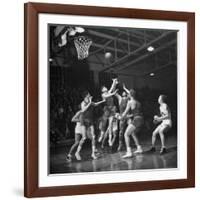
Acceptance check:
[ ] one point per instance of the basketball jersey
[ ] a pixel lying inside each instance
(167, 121)
(88, 115)
(123, 104)
(137, 110)
(110, 101)
(163, 109)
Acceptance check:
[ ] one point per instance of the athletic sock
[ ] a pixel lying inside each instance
(128, 149)
(78, 149)
(93, 149)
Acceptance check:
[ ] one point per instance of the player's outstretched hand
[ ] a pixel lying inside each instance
(90, 98)
(124, 86)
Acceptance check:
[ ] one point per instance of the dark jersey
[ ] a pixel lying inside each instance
(137, 119)
(137, 111)
(123, 105)
(88, 115)
(110, 101)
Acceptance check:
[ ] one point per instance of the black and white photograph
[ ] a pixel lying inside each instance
(112, 98)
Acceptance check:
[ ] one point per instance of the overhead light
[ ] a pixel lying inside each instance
(151, 74)
(150, 48)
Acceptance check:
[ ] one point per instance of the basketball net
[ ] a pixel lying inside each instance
(82, 45)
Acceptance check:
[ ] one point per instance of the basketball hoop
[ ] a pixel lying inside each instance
(82, 45)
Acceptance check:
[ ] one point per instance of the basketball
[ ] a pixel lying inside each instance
(108, 55)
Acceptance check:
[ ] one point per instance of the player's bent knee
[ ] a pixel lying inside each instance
(133, 133)
(126, 134)
(155, 133)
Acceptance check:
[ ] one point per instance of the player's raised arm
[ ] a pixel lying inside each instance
(75, 118)
(125, 89)
(85, 107)
(105, 96)
(113, 86)
(63, 39)
(99, 102)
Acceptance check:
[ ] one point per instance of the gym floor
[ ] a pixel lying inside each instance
(111, 160)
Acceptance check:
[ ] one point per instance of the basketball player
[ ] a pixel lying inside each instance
(122, 100)
(67, 33)
(112, 130)
(88, 119)
(165, 123)
(80, 134)
(109, 109)
(135, 121)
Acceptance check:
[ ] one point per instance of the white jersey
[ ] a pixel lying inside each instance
(164, 110)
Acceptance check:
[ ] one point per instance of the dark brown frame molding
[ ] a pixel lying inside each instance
(31, 187)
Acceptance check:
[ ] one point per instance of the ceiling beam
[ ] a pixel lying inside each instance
(134, 33)
(130, 33)
(148, 54)
(105, 47)
(147, 72)
(139, 49)
(141, 33)
(160, 67)
(103, 35)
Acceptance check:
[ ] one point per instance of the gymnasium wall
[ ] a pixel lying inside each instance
(163, 80)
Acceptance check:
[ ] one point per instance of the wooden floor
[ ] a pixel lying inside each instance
(111, 160)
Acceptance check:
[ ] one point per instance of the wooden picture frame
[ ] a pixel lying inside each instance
(31, 105)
